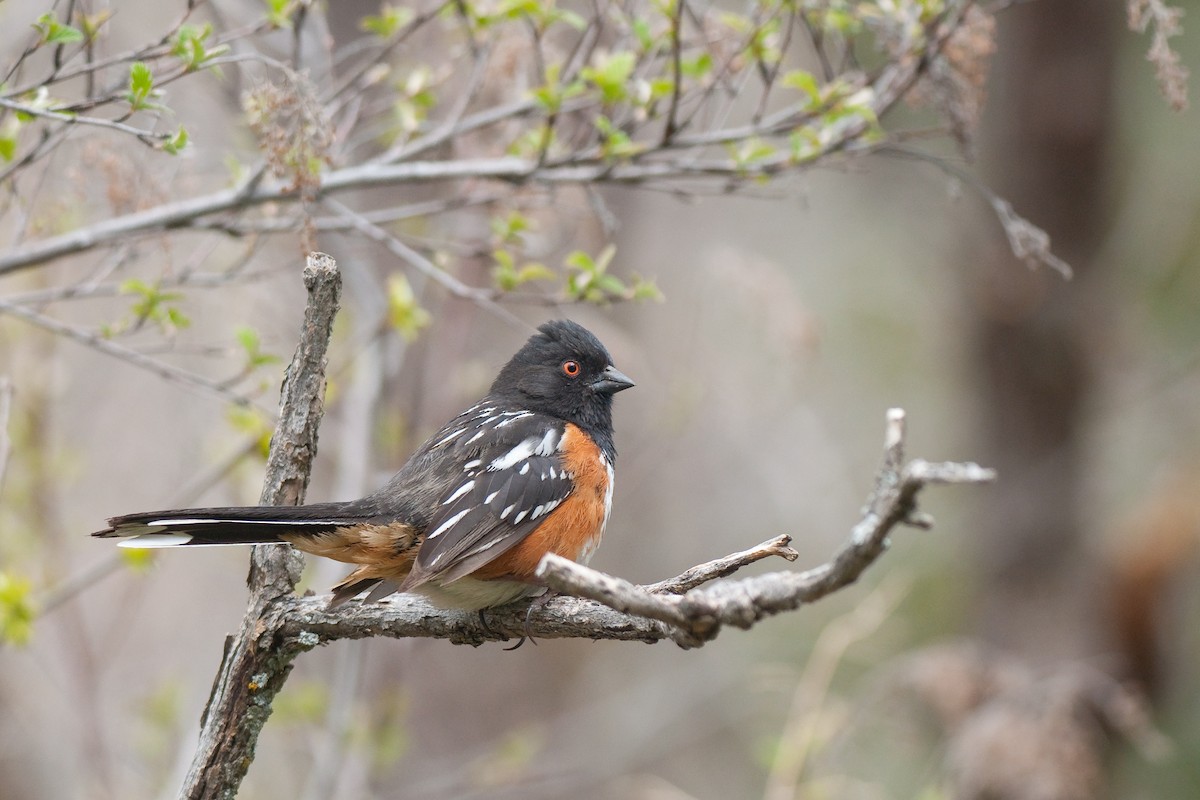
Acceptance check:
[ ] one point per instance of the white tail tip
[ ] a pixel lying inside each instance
(148, 541)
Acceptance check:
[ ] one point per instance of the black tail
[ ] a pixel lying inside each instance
(235, 525)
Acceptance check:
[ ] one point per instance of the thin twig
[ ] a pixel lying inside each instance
(158, 50)
(1028, 242)
(724, 567)
(481, 297)
(889, 86)
(669, 129)
(75, 119)
(132, 357)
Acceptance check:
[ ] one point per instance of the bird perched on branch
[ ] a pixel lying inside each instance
(528, 470)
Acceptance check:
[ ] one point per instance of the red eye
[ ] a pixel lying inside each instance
(570, 368)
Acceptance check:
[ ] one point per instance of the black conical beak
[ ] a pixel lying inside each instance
(611, 381)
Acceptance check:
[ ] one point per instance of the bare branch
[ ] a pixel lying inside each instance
(481, 297)
(144, 135)
(671, 125)
(655, 166)
(253, 669)
(133, 357)
(699, 613)
(1027, 242)
(724, 567)
(517, 170)
(158, 50)
(617, 609)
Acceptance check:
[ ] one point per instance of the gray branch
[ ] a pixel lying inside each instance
(254, 668)
(133, 357)
(146, 136)
(659, 165)
(682, 609)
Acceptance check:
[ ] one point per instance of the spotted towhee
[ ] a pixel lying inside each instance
(528, 470)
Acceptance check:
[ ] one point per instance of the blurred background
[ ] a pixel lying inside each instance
(1043, 630)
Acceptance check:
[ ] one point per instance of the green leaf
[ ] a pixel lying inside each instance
(578, 259)
(646, 290)
(65, 34)
(610, 284)
(510, 229)
(515, 9)
(8, 138)
(735, 22)
(177, 319)
(153, 305)
(751, 151)
(251, 421)
(92, 23)
(578, 286)
(404, 312)
(534, 271)
(552, 94)
(279, 13)
(589, 280)
(133, 286)
(54, 32)
(569, 18)
(805, 82)
(39, 99)
(610, 73)
(16, 609)
(696, 67)
(641, 29)
(764, 44)
(390, 20)
(248, 338)
(190, 46)
(533, 142)
(504, 273)
(141, 86)
(176, 143)
(804, 144)
(615, 142)
(161, 708)
(140, 79)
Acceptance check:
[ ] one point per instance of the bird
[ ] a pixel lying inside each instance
(526, 471)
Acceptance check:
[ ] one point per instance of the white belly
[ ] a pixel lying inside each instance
(471, 594)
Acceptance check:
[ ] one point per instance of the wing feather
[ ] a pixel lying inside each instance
(518, 478)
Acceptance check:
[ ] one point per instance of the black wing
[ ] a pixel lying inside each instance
(511, 477)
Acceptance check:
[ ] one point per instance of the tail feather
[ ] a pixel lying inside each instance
(227, 526)
(351, 587)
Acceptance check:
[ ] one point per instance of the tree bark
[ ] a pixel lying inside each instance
(253, 668)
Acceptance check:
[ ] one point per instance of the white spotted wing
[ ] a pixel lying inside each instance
(512, 477)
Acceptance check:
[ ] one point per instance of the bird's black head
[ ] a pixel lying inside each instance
(564, 371)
